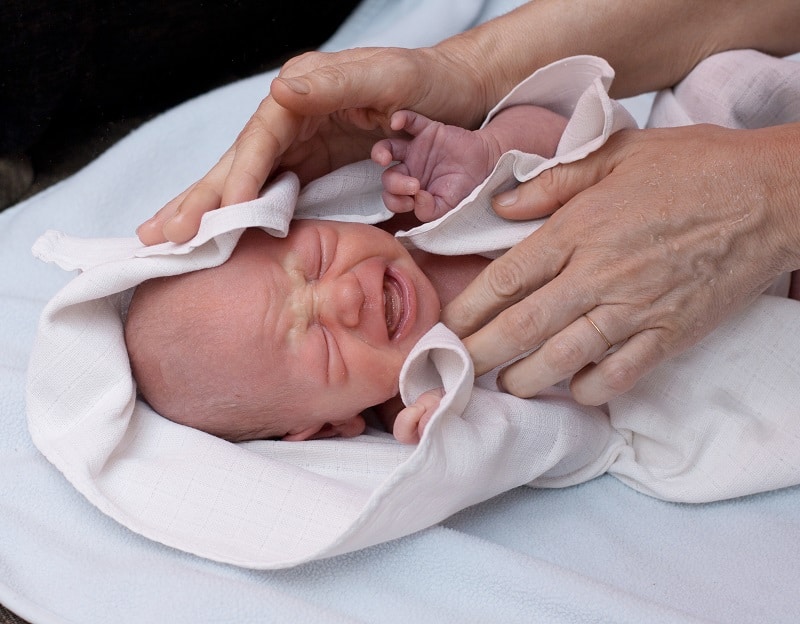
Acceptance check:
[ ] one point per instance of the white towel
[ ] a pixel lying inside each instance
(276, 504)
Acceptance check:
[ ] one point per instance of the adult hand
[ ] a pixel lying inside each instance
(655, 238)
(324, 110)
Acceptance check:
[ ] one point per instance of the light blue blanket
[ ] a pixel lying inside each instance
(591, 553)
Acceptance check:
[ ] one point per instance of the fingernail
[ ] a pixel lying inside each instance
(297, 85)
(507, 198)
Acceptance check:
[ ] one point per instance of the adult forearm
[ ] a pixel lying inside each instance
(650, 43)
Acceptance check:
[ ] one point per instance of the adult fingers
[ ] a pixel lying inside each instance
(602, 363)
(618, 372)
(554, 187)
(519, 321)
(529, 264)
(565, 353)
(237, 177)
(184, 221)
(257, 150)
(151, 232)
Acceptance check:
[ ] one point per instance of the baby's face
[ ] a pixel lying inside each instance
(323, 319)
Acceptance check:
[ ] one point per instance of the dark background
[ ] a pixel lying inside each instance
(76, 76)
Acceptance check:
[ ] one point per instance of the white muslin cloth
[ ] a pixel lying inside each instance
(719, 421)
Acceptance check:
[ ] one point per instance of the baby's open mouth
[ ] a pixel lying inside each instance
(393, 304)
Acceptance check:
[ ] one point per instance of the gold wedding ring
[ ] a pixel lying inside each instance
(599, 331)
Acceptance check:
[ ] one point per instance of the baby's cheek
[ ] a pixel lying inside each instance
(386, 374)
(390, 382)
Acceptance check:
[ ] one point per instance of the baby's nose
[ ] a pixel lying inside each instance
(341, 300)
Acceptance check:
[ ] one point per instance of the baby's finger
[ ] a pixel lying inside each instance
(398, 203)
(381, 153)
(411, 422)
(399, 120)
(410, 122)
(396, 181)
(427, 207)
(405, 425)
(387, 150)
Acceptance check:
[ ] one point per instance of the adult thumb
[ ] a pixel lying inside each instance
(554, 187)
(319, 83)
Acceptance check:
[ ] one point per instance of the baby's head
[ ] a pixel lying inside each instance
(290, 338)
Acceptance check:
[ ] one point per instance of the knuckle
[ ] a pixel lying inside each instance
(333, 74)
(625, 136)
(505, 279)
(547, 181)
(619, 375)
(301, 64)
(202, 185)
(520, 326)
(515, 380)
(565, 354)
(512, 386)
(203, 190)
(255, 127)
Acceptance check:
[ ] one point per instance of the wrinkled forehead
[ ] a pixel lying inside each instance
(304, 233)
(256, 245)
(252, 273)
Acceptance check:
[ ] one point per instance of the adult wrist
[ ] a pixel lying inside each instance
(780, 172)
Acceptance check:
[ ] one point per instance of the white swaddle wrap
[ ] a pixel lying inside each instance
(717, 422)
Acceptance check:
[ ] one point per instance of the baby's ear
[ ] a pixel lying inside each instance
(350, 428)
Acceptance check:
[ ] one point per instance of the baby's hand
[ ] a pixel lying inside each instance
(411, 421)
(438, 166)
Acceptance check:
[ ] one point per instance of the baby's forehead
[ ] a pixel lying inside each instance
(300, 235)
(306, 238)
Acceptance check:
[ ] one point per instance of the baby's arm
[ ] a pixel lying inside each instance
(440, 165)
(411, 421)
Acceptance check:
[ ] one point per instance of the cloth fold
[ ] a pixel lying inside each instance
(269, 504)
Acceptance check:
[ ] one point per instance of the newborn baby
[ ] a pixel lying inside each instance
(295, 338)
